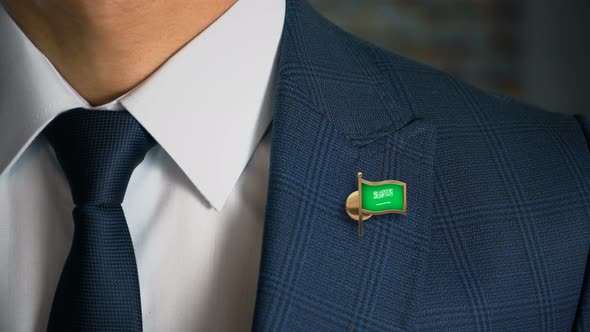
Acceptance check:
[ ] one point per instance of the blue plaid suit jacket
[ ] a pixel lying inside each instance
(497, 233)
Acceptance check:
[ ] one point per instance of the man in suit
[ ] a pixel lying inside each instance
(235, 151)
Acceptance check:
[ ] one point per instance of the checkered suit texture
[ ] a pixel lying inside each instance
(497, 233)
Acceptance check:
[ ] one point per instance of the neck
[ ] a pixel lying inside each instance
(105, 48)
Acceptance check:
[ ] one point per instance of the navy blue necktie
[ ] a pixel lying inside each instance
(98, 289)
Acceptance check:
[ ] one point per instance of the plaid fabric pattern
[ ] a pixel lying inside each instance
(498, 227)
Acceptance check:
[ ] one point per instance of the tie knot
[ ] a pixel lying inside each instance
(98, 151)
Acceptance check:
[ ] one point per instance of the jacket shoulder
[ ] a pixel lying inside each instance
(351, 78)
(431, 92)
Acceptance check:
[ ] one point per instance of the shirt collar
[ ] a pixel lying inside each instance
(208, 106)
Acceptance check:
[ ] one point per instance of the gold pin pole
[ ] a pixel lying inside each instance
(360, 199)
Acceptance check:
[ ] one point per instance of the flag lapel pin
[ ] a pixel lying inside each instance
(374, 198)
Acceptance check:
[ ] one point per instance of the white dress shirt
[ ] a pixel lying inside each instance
(195, 206)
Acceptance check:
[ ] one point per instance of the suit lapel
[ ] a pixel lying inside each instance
(332, 120)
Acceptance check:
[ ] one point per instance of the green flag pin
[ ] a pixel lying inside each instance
(371, 198)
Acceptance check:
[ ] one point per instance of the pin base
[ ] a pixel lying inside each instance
(352, 207)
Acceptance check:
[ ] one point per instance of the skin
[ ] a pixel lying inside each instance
(104, 48)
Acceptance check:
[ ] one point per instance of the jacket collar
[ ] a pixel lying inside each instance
(341, 109)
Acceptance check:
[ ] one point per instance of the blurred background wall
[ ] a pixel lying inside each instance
(536, 50)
